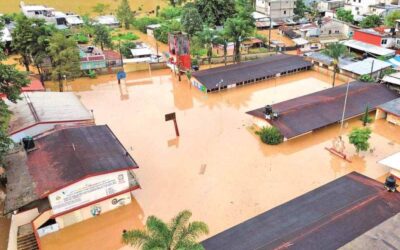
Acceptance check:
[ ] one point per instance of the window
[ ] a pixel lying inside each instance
(384, 41)
(359, 1)
(284, 12)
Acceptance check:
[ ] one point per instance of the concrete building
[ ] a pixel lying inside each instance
(328, 5)
(91, 58)
(276, 9)
(40, 112)
(361, 8)
(368, 66)
(72, 175)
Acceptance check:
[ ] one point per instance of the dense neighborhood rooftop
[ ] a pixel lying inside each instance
(325, 218)
(306, 113)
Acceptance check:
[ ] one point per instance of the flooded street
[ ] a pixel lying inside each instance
(217, 168)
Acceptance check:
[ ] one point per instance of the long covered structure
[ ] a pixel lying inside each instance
(248, 72)
(307, 113)
(326, 218)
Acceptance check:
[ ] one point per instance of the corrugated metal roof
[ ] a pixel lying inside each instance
(325, 218)
(241, 72)
(46, 107)
(307, 113)
(369, 48)
(366, 66)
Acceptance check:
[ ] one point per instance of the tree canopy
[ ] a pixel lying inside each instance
(215, 12)
(299, 8)
(390, 19)
(178, 234)
(124, 14)
(102, 36)
(65, 59)
(371, 21)
(335, 51)
(359, 137)
(344, 15)
(11, 82)
(191, 20)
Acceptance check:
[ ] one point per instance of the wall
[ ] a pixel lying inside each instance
(18, 220)
(97, 209)
(367, 38)
(393, 119)
(359, 7)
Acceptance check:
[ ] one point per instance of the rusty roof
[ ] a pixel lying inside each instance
(325, 218)
(244, 71)
(72, 154)
(307, 113)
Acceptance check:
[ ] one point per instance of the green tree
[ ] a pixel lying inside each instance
(335, 51)
(191, 21)
(359, 138)
(366, 78)
(178, 234)
(124, 14)
(161, 34)
(126, 49)
(207, 37)
(215, 12)
(169, 13)
(101, 8)
(11, 82)
(344, 15)
(299, 8)
(222, 38)
(390, 19)
(371, 21)
(142, 23)
(25, 37)
(237, 29)
(102, 36)
(65, 59)
(270, 135)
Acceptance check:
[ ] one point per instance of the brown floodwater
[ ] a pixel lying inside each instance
(217, 168)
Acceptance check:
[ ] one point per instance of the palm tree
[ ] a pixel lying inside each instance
(207, 37)
(179, 234)
(335, 51)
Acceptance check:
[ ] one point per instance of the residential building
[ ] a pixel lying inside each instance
(360, 7)
(392, 162)
(376, 36)
(91, 58)
(369, 66)
(151, 28)
(50, 15)
(276, 9)
(393, 81)
(67, 176)
(40, 112)
(383, 9)
(328, 5)
(367, 48)
(33, 86)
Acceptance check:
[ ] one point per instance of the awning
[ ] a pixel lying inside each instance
(393, 78)
(369, 48)
(393, 162)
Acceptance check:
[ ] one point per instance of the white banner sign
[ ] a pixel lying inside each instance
(88, 190)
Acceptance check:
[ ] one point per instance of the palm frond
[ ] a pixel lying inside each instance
(191, 233)
(158, 229)
(189, 245)
(135, 237)
(178, 224)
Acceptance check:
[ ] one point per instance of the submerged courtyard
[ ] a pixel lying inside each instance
(218, 168)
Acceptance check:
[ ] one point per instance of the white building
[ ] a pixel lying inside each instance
(327, 5)
(276, 9)
(58, 18)
(108, 20)
(368, 7)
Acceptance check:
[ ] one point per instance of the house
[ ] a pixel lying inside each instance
(91, 58)
(262, 21)
(360, 7)
(276, 9)
(108, 20)
(50, 15)
(324, 61)
(368, 66)
(393, 81)
(235, 75)
(326, 218)
(288, 31)
(383, 9)
(39, 112)
(305, 114)
(368, 48)
(375, 36)
(65, 177)
(389, 111)
(151, 28)
(329, 5)
(113, 58)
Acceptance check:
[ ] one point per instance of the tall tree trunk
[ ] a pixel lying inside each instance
(60, 85)
(334, 76)
(225, 51)
(26, 63)
(237, 51)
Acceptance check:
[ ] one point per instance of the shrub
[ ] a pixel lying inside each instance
(170, 12)
(125, 37)
(270, 135)
(359, 138)
(161, 34)
(366, 78)
(92, 74)
(81, 38)
(126, 49)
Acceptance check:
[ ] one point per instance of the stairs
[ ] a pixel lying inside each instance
(26, 238)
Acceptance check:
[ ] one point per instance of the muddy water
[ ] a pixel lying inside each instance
(218, 168)
(81, 7)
